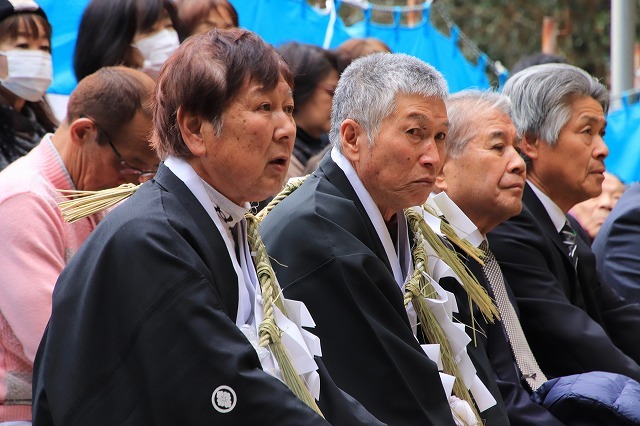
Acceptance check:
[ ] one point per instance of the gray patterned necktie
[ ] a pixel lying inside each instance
(525, 360)
(569, 239)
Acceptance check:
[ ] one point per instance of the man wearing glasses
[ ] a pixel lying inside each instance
(102, 143)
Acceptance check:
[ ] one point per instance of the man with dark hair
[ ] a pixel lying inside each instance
(102, 143)
(538, 58)
(162, 318)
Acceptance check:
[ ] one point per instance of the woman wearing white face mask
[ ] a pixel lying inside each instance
(25, 75)
(134, 33)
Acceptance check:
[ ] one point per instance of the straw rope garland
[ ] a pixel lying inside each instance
(268, 331)
(81, 204)
(416, 290)
(448, 230)
(470, 284)
(291, 185)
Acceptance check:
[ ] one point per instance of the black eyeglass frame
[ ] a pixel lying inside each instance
(127, 169)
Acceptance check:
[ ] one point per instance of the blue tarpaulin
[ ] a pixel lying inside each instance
(623, 139)
(279, 21)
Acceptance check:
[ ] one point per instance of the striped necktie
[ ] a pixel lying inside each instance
(569, 239)
(525, 360)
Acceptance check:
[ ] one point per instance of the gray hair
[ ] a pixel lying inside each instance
(542, 98)
(367, 90)
(462, 107)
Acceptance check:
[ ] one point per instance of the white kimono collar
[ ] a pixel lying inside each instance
(246, 289)
(400, 265)
(301, 345)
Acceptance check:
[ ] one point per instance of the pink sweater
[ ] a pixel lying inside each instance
(35, 245)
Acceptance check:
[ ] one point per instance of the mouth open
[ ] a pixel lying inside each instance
(281, 161)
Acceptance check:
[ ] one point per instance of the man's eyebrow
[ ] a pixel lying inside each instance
(494, 134)
(422, 117)
(593, 119)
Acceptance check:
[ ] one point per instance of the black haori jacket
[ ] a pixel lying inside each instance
(143, 330)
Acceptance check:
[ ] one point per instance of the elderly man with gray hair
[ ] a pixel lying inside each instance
(482, 146)
(343, 245)
(573, 321)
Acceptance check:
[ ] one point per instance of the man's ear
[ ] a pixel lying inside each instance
(530, 147)
(353, 138)
(441, 183)
(83, 130)
(191, 129)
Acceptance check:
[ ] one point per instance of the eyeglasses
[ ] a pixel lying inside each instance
(127, 169)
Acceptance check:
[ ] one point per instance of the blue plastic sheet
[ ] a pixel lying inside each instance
(65, 18)
(279, 21)
(623, 139)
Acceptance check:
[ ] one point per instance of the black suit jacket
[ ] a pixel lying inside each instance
(574, 324)
(329, 255)
(143, 328)
(617, 246)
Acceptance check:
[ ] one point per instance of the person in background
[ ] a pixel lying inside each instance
(346, 53)
(161, 318)
(135, 33)
(617, 248)
(316, 75)
(356, 48)
(574, 321)
(538, 58)
(200, 16)
(592, 213)
(25, 74)
(102, 143)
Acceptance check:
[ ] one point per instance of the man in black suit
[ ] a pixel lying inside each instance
(483, 147)
(573, 321)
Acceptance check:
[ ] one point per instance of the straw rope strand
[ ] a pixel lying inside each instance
(470, 284)
(416, 290)
(268, 331)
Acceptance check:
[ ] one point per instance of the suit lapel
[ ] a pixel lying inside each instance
(208, 240)
(334, 174)
(540, 215)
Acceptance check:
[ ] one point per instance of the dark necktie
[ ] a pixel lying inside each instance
(525, 360)
(569, 237)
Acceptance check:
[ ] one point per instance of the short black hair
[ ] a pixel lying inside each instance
(107, 29)
(310, 64)
(537, 59)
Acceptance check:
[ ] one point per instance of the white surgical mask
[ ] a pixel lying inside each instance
(157, 48)
(29, 73)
